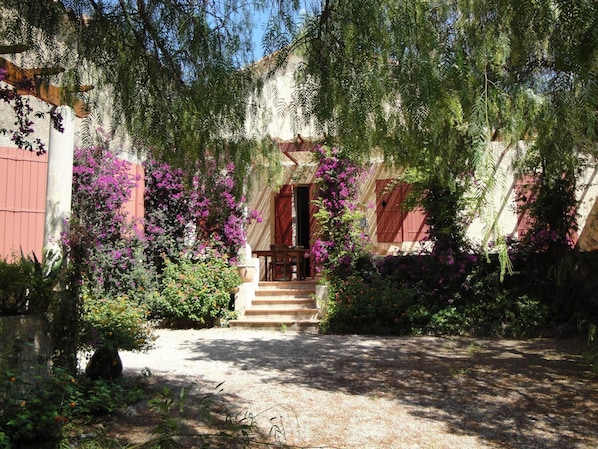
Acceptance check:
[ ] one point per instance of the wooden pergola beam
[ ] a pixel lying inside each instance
(47, 92)
(12, 49)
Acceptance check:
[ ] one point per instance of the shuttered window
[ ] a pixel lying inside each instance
(396, 224)
(524, 196)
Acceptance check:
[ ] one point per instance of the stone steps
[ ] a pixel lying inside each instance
(280, 306)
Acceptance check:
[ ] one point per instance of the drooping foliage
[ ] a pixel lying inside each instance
(178, 71)
(432, 84)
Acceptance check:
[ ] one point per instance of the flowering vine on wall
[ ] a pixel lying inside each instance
(341, 242)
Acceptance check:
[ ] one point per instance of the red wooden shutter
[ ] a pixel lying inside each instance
(389, 217)
(524, 195)
(23, 176)
(283, 216)
(395, 224)
(415, 228)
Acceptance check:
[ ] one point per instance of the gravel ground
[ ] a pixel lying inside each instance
(377, 392)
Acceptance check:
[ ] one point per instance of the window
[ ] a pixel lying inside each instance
(395, 224)
(524, 196)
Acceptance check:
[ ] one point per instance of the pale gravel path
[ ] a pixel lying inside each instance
(386, 393)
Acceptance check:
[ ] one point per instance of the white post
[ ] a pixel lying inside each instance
(60, 180)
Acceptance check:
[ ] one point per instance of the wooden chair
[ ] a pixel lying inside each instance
(282, 265)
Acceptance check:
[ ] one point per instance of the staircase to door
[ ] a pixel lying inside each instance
(280, 306)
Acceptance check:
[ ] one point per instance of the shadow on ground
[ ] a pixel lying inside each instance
(178, 414)
(524, 394)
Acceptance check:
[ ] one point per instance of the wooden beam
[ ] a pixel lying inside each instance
(49, 93)
(56, 96)
(16, 75)
(12, 49)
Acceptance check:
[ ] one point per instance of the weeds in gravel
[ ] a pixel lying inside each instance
(180, 416)
(234, 431)
(184, 418)
(591, 355)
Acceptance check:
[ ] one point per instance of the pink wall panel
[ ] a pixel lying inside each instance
(135, 207)
(23, 177)
(22, 201)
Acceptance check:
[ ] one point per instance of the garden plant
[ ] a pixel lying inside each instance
(430, 86)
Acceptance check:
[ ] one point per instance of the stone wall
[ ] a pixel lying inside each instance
(24, 341)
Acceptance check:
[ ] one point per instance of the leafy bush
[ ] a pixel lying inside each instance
(428, 295)
(368, 307)
(35, 405)
(102, 397)
(26, 286)
(448, 321)
(197, 290)
(115, 323)
(14, 281)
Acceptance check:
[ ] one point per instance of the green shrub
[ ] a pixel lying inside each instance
(26, 286)
(197, 290)
(372, 307)
(37, 403)
(448, 321)
(13, 288)
(395, 301)
(101, 397)
(116, 323)
(35, 406)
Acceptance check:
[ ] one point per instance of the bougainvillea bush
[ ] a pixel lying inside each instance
(167, 212)
(108, 243)
(210, 212)
(193, 234)
(219, 209)
(175, 264)
(341, 242)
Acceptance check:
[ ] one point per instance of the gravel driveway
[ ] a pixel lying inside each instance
(377, 392)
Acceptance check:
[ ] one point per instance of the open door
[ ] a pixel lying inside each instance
(294, 223)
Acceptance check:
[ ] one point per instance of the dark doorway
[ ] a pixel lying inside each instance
(302, 207)
(302, 210)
